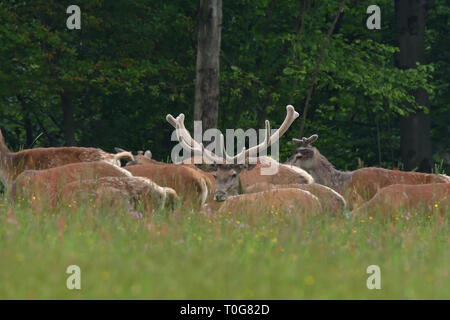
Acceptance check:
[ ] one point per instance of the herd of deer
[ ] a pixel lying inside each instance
(307, 182)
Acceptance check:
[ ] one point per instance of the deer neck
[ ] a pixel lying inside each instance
(6, 166)
(326, 174)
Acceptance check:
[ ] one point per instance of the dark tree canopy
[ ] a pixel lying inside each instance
(112, 83)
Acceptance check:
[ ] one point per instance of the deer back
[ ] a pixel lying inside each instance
(279, 201)
(187, 182)
(48, 181)
(406, 198)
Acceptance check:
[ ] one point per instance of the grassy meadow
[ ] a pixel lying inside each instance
(187, 254)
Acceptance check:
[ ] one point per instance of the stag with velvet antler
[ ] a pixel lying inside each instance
(358, 185)
(228, 168)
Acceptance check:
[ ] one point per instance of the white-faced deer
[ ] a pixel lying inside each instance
(358, 185)
(228, 169)
(13, 163)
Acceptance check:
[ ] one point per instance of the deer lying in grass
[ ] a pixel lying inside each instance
(356, 186)
(131, 190)
(191, 184)
(330, 200)
(140, 158)
(194, 185)
(13, 163)
(48, 183)
(228, 176)
(393, 199)
(276, 201)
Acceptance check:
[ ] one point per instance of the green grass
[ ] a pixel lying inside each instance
(192, 255)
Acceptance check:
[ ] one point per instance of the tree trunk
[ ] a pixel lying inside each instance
(206, 106)
(27, 122)
(28, 130)
(414, 128)
(68, 121)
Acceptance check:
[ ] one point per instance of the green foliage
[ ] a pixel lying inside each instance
(191, 255)
(134, 61)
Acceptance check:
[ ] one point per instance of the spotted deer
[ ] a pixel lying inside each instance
(13, 163)
(231, 171)
(356, 186)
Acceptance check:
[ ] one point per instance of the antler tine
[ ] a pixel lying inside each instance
(178, 124)
(185, 145)
(262, 146)
(181, 130)
(170, 119)
(312, 138)
(190, 144)
(224, 152)
(185, 132)
(187, 142)
(199, 148)
(291, 115)
(306, 141)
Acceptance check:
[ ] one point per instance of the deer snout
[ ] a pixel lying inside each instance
(220, 196)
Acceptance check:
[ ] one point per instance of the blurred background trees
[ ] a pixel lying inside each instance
(113, 82)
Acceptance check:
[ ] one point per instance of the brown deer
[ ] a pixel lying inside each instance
(330, 200)
(228, 176)
(140, 158)
(358, 185)
(276, 201)
(110, 190)
(13, 163)
(407, 198)
(194, 186)
(48, 183)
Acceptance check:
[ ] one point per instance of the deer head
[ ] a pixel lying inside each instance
(141, 158)
(227, 168)
(305, 154)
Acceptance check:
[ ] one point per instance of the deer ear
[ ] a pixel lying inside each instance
(119, 150)
(148, 154)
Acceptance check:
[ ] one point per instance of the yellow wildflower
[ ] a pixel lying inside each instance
(309, 280)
